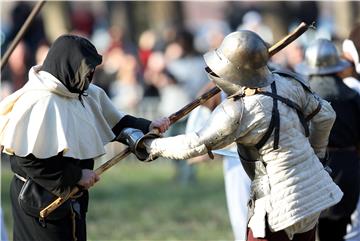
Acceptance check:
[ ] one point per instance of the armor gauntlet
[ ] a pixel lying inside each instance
(134, 138)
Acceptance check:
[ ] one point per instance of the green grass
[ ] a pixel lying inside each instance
(140, 201)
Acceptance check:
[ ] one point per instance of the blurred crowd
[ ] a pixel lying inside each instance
(160, 72)
(142, 76)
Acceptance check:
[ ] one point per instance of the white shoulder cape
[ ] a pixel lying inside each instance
(44, 118)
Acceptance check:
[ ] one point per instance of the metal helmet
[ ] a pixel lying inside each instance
(321, 57)
(241, 60)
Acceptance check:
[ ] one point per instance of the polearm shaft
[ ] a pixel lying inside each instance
(175, 117)
(302, 28)
(21, 33)
(59, 201)
(189, 107)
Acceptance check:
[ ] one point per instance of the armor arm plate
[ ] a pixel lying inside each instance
(219, 131)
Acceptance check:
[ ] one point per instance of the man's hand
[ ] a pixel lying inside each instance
(161, 124)
(88, 178)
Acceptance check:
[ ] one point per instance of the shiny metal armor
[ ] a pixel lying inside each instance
(321, 57)
(241, 59)
(226, 86)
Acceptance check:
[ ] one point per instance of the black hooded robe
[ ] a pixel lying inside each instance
(72, 60)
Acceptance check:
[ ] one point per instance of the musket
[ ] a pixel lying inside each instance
(302, 28)
(21, 33)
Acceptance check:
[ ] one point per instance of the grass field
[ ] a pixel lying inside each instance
(140, 201)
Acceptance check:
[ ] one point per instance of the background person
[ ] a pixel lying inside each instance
(351, 52)
(322, 65)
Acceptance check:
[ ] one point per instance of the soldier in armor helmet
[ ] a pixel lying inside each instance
(322, 66)
(281, 129)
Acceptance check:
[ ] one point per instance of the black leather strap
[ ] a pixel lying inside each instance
(274, 122)
(275, 118)
(293, 105)
(312, 114)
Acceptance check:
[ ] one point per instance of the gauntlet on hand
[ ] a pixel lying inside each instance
(134, 138)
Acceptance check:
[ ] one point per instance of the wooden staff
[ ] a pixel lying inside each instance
(175, 117)
(21, 33)
(59, 201)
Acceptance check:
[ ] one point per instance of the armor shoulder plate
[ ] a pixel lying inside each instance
(222, 124)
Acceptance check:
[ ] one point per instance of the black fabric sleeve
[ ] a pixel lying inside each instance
(131, 121)
(56, 174)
